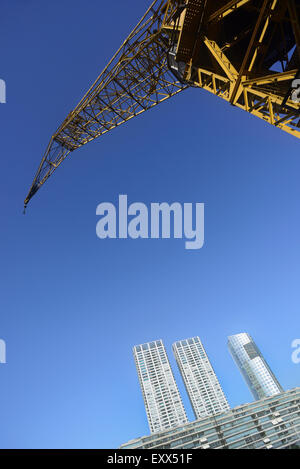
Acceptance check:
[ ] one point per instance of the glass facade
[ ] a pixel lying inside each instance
(270, 423)
(201, 382)
(255, 370)
(163, 403)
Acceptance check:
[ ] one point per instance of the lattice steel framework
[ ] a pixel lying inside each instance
(244, 51)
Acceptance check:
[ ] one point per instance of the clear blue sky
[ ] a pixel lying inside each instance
(72, 305)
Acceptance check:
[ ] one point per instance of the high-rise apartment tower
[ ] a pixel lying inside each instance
(163, 403)
(201, 382)
(255, 370)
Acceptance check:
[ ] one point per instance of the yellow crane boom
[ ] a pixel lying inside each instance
(244, 51)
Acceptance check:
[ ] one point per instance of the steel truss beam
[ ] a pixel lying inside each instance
(227, 9)
(136, 79)
(248, 84)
